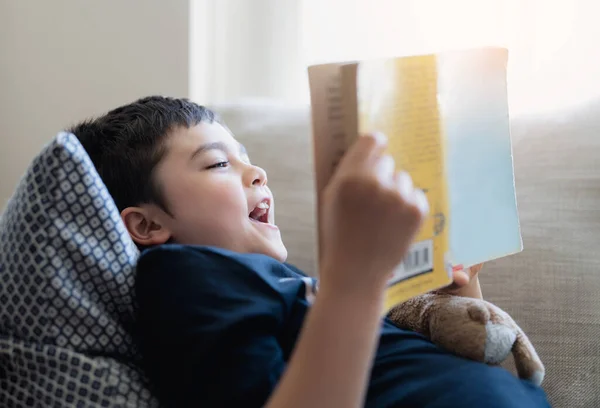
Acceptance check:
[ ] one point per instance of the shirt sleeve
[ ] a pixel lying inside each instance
(207, 329)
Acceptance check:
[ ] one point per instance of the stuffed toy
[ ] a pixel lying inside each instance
(471, 328)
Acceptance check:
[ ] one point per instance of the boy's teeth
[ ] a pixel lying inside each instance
(263, 205)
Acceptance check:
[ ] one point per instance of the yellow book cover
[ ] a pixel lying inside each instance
(399, 98)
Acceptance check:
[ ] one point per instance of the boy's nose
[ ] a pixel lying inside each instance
(257, 176)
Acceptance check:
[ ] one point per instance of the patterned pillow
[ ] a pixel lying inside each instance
(66, 287)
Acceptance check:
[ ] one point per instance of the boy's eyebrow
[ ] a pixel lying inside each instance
(216, 146)
(210, 146)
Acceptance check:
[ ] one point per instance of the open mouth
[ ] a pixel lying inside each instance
(261, 212)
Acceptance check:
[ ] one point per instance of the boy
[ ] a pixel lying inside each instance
(224, 322)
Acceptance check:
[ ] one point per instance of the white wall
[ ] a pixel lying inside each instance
(64, 60)
(246, 49)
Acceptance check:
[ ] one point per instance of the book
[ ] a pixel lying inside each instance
(447, 120)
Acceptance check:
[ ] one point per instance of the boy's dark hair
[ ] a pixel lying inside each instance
(128, 142)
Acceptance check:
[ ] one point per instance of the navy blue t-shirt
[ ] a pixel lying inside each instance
(217, 328)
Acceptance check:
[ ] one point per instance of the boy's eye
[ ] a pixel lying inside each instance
(222, 164)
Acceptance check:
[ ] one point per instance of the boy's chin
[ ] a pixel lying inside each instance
(277, 251)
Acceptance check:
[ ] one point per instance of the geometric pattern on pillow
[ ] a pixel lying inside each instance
(67, 263)
(38, 375)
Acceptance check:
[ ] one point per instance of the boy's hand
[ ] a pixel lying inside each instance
(371, 214)
(466, 283)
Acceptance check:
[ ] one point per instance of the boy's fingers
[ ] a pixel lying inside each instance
(474, 270)
(384, 170)
(367, 149)
(413, 196)
(422, 202)
(459, 279)
(405, 186)
(377, 143)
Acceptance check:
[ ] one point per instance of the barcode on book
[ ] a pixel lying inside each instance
(417, 261)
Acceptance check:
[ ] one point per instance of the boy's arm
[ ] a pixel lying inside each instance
(371, 215)
(331, 362)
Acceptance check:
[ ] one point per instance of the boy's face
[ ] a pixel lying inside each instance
(213, 194)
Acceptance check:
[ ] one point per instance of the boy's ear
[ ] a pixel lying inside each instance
(144, 227)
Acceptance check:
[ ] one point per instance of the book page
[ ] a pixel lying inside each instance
(399, 97)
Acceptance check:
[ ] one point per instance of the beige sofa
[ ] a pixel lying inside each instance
(552, 289)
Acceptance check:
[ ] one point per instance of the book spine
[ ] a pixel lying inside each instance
(328, 121)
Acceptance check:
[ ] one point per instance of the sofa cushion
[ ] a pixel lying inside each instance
(66, 279)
